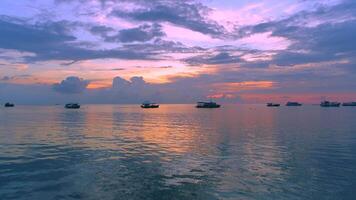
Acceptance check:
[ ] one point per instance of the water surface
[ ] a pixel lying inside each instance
(177, 152)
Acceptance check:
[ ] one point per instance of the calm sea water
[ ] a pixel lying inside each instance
(177, 152)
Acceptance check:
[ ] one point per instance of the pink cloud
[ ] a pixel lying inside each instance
(265, 41)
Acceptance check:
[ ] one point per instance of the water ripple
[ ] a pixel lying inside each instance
(177, 152)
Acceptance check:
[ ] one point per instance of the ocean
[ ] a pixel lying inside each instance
(177, 152)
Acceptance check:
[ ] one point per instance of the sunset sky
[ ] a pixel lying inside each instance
(170, 51)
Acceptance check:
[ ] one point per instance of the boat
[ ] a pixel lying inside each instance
(329, 104)
(273, 104)
(293, 104)
(148, 104)
(9, 105)
(209, 104)
(349, 104)
(72, 106)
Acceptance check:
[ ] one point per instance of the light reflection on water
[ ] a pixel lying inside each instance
(177, 152)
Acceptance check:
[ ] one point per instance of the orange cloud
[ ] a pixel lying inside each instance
(222, 96)
(300, 97)
(100, 84)
(246, 85)
(228, 90)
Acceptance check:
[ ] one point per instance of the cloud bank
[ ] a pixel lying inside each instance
(307, 48)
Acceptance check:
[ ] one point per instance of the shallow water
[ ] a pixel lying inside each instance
(177, 152)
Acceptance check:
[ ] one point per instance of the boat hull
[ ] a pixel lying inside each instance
(293, 104)
(9, 105)
(273, 105)
(330, 104)
(72, 106)
(333, 105)
(153, 106)
(210, 104)
(215, 106)
(349, 104)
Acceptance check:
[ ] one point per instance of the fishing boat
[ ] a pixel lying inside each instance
(209, 104)
(72, 106)
(8, 105)
(148, 104)
(329, 104)
(349, 104)
(273, 104)
(293, 104)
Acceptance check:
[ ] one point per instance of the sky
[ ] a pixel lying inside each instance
(169, 51)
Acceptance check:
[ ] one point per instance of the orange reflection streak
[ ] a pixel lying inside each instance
(260, 153)
(148, 130)
(162, 134)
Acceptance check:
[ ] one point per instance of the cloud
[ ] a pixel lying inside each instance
(330, 38)
(325, 42)
(142, 33)
(112, 69)
(134, 90)
(189, 14)
(137, 90)
(120, 83)
(49, 42)
(58, 43)
(228, 87)
(5, 78)
(320, 56)
(159, 46)
(15, 78)
(215, 59)
(180, 13)
(102, 31)
(71, 85)
(27, 38)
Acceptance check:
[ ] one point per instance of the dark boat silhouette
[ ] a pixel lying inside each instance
(147, 104)
(329, 104)
(210, 104)
(8, 105)
(72, 106)
(293, 104)
(273, 104)
(349, 104)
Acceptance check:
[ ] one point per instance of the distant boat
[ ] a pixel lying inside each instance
(349, 104)
(210, 104)
(329, 104)
(273, 104)
(72, 106)
(8, 105)
(293, 104)
(147, 104)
